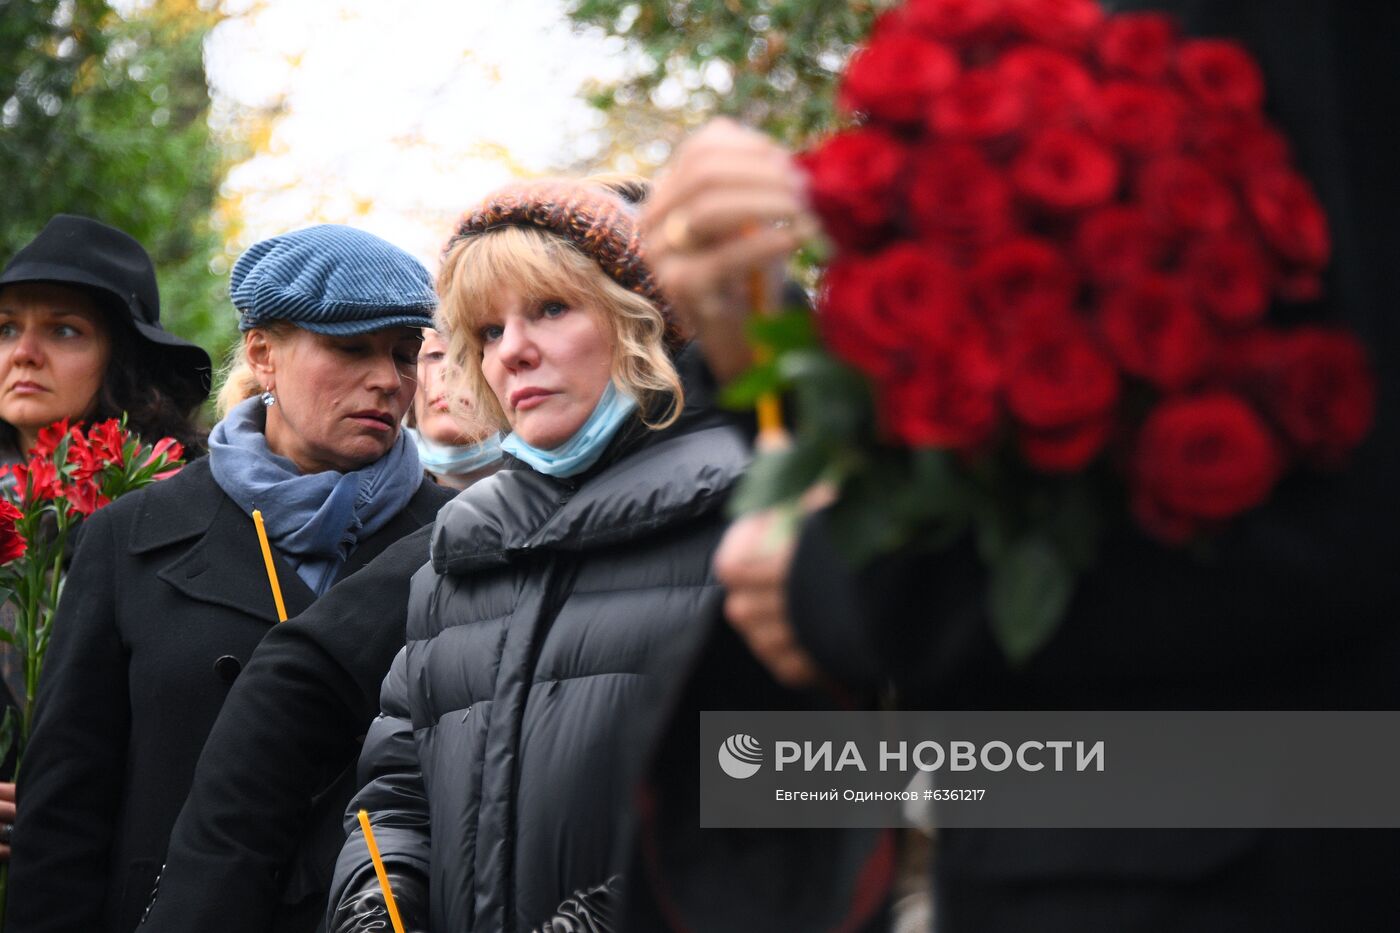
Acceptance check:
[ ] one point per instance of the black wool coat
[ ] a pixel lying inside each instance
(308, 691)
(166, 600)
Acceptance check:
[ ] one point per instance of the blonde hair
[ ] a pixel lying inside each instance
(542, 266)
(239, 380)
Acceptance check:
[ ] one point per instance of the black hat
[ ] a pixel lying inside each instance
(73, 250)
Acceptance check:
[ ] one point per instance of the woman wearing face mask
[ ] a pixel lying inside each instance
(456, 445)
(173, 595)
(559, 587)
(80, 338)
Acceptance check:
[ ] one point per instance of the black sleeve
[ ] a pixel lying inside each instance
(70, 783)
(392, 792)
(291, 721)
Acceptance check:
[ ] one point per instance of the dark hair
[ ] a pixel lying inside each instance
(153, 408)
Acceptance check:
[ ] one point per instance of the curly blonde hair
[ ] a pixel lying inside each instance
(541, 266)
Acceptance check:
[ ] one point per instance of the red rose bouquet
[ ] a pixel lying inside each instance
(1058, 236)
(69, 475)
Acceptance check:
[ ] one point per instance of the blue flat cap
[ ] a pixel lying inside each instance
(332, 280)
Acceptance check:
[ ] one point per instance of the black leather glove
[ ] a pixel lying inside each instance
(593, 910)
(364, 911)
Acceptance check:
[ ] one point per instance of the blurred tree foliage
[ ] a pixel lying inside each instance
(106, 115)
(770, 63)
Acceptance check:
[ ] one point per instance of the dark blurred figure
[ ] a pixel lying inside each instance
(1297, 612)
(81, 339)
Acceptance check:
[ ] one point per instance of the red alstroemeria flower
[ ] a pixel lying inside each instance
(49, 437)
(36, 481)
(108, 442)
(84, 498)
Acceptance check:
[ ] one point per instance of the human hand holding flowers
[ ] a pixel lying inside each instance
(1059, 233)
(730, 201)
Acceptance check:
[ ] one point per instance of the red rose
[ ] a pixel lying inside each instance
(1230, 277)
(1299, 286)
(1198, 461)
(949, 397)
(1062, 390)
(1055, 86)
(1119, 244)
(1140, 118)
(1183, 194)
(1065, 23)
(1318, 387)
(12, 543)
(852, 324)
(1020, 281)
(951, 19)
(895, 78)
(1064, 450)
(1065, 170)
(1292, 221)
(1236, 145)
(1155, 332)
(873, 307)
(980, 106)
(957, 198)
(1220, 74)
(853, 180)
(1137, 45)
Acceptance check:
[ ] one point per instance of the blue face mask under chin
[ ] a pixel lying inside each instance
(447, 460)
(582, 450)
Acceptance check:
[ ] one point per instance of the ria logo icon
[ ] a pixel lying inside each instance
(740, 756)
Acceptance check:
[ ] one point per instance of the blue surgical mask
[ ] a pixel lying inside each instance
(447, 460)
(582, 450)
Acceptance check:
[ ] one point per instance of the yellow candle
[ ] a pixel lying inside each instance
(770, 410)
(379, 871)
(271, 568)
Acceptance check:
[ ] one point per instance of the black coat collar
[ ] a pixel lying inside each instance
(222, 563)
(674, 479)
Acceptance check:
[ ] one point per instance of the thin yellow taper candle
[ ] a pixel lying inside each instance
(271, 568)
(380, 873)
(769, 409)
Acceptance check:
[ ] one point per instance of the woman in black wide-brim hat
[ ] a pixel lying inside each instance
(170, 594)
(80, 338)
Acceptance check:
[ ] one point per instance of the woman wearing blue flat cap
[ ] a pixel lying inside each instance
(174, 592)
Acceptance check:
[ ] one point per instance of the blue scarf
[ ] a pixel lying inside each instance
(447, 460)
(315, 519)
(582, 450)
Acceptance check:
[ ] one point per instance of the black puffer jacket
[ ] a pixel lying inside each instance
(535, 639)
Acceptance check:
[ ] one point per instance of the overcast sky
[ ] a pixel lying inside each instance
(399, 115)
